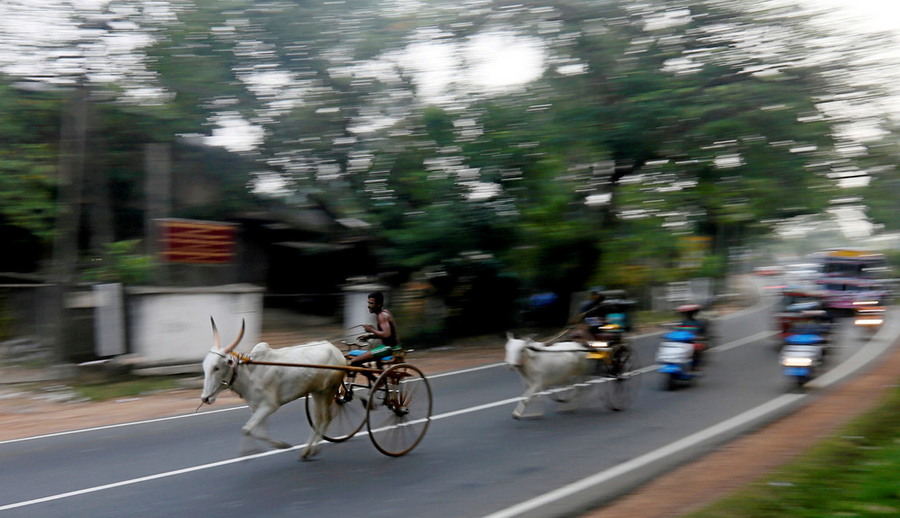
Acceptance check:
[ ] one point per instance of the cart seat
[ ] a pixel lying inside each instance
(356, 352)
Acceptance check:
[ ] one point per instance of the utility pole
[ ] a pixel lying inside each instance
(158, 188)
(73, 145)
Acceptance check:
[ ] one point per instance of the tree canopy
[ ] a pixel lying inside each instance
(652, 132)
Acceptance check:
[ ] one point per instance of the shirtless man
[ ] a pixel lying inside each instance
(384, 329)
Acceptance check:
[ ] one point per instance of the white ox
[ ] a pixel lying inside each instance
(266, 388)
(544, 367)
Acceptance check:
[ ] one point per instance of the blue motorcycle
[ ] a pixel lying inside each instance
(676, 357)
(802, 357)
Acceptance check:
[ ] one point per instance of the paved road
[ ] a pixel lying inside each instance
(475, 461)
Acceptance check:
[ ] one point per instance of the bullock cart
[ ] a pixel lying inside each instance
(568, 371)
(390, 397)
(393, 399)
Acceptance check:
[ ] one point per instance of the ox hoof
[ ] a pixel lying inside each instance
(526, 415)
(307, 455)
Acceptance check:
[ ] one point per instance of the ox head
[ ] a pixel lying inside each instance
(219, 365)
(515, 348)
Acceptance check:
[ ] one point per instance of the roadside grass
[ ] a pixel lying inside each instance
(124, 386)
(854, 473)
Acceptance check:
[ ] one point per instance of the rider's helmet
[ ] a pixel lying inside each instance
(688, 308)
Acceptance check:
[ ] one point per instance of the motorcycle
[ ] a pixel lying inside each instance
(677, 356)
(869, 315)
(802, 357)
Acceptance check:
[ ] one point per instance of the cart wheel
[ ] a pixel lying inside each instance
(349, 412)
(399, 410)
(623, 383)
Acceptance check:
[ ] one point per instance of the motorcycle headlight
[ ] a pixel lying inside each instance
(869, 321)
(796, 362)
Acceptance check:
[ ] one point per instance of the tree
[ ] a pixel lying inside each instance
(27, 176)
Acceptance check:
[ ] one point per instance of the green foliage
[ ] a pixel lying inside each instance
(123, 386)
(714, 266)
(439, 125)
(121, 262)
(892, 258)
(881, 197)
(27, 189)
(29, 129)
(710, 126)
(668, 128)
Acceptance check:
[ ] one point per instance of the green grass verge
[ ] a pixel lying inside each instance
(855, 473)
(125, 386)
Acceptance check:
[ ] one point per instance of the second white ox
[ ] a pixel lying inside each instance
(266, 388)
(544, 367)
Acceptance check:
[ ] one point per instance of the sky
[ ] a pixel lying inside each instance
(869, 14)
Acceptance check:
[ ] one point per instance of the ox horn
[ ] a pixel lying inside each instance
(238, 339)
(217, 341)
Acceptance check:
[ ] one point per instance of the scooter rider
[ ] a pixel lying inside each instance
(699, 326)
(590, 317)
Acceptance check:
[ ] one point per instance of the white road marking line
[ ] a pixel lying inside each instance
(743, 341)
(465, 371)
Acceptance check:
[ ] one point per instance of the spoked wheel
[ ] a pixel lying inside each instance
(349, 410)
(399, 410)
(623, 382)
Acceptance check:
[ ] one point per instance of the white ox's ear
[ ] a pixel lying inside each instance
(217, 340)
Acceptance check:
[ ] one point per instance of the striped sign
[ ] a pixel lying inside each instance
(196, 242)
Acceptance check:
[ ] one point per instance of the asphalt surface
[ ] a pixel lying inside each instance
(474, 461)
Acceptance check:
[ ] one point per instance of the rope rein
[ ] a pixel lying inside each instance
(247, 360)
(544, 350)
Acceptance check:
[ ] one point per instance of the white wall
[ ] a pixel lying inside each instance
(356, 309)
(172, 325)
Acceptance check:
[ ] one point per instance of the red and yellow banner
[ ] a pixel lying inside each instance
(196, 242)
